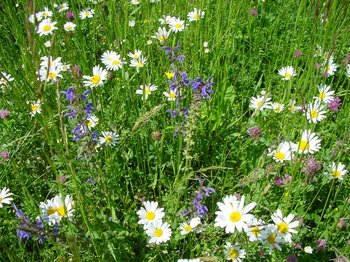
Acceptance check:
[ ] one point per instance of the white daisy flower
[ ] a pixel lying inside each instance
(136, 55)
(112, 60)
(55, 209)
(254, 230)
(5, 78)
(108, 138)
(35, 108)
(92, 121)
(171, 95)
(159, 232)
(348, 70)
(337, 171)
(69, 26)
(46, 13)
(162, 34)
(283, 152)
(329, 67)
(287, 72)
(166, 19)
(277, 107)
(146, 90)
(4, 196)
(234, 252)
(176, 25)
(325, 94)
(270, 237)
(52, 74)
(285, 225)
(46, 27)
(291, 106)
(189, 227)
(150, 213)
(315, 112)
(47, 62)
(195, 15)
(234, 216)
(62, 7)
(138, 63)
(260, 103)
(99, 75)
(86, 13)
(309, 143)
(135, 2)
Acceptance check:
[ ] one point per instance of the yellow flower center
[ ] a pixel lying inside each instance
(291, 108)
(256, 231)
(61, 211)
(136, 56)
(86, 14)
(314, 114)
(158, 232)
(327, 68)
(178, 26)
(259, 103)
(150, 215)
(108, 139)
(187, 228)
(51, 75)
(139, 64)
(172, 95)
(322, 95)
(335, 173)
(95, 79)
(287, 75)
(196, 16)
(304, 145)
(116, 62)
(271, 239)
(277, 109)
(235, 216)
(282, 228)
(280, 155)
(233, 253)
(147, 91)
(35, 107)
(161, 38)
(69, 27)
(89, 123)
(46, 28)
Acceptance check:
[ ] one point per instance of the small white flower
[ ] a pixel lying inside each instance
(99, 75)
(69, 26)
(146, 90)
(46, 27)
(86, 13)
(260, 103)
(283, 152)
(108, 138)
(55, 209)
(4, 196)
(277, 107)
(348, 70)
(337, 171)
(285, 225)
(138, 63)
(136, 55)
(287, 72)
(309, 143)
(315, 112)
(35, 108)
(159, 232)
(234, 252)
(162, 34)
(308, 250)
(47, 44)
(325, 94)
(189, 227)
(176, 25)
(132, 23)
(171, 96)
(150, 213)
(195, 15)
(112, 60)
(92, 121)
(5, 78)
(328, 67)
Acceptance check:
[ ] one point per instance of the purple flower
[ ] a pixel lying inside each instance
(254, 132)
(70, 15)
(334, 104)
(72, 114)
(80, 131)
(5, 155)
(321, 244)
(4, 113)
(76, 70)
(253, 12)
(278, 181)
(204, 88)
(297, 53)
(310, 166)
(70, 95)
(84, 94)
(91, 180)
(88, 108)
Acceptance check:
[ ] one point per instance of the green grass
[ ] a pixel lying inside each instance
(149, 163)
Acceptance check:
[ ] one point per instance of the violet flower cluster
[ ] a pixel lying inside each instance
(198, 206)
(80, 109)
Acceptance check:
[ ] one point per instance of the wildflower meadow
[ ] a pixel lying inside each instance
(188, 130)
